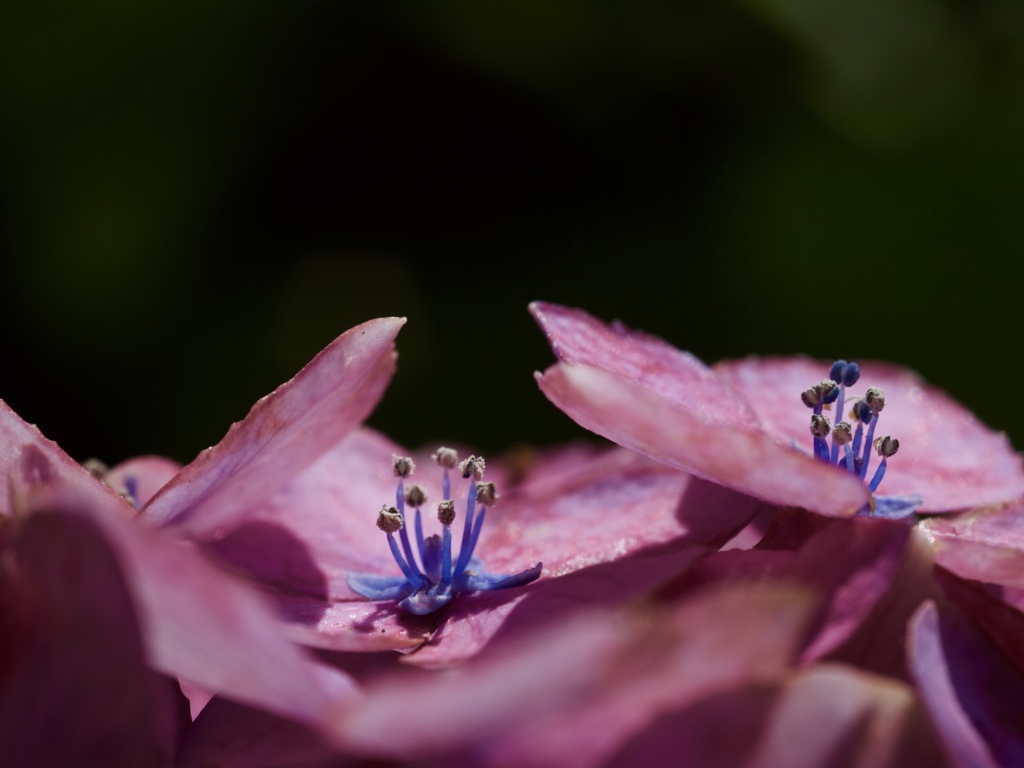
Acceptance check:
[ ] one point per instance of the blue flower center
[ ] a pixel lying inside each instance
(432, 580)
(851, 447)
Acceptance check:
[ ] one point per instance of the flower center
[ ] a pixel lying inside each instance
(850, 449)
(436, 577)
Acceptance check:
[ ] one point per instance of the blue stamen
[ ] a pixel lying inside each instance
(477, 527)
(467, 530)
(446, 486)
(858, 443)
(821, 449)
(866, 453)
(850, 462)
(446, 557)
(877, 478)
(406, 546)
(834, 454)
(440, 582)
(411, 575)
(418, 522)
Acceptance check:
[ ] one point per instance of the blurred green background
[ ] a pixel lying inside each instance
(195, 197)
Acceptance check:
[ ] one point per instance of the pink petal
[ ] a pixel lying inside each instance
(984, 545)
(147, 474)
(973, 694)
(615, 505)
(72, 656)
(946, 455)
(284, 433)
(197, 622)
(676, 377)
(746, 460)
(572, 693)
(984, 605)
(712, 643)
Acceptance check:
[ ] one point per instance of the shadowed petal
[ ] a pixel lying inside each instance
(284, 433)
(74, 685)
(973, 694)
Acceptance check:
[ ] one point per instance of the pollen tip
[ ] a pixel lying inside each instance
(486, 494)
(875, 399)
(415, 496)
(403, 465)
(446, 512)
(473, 467)
(446, 457)
(389, 519)
(820, 426)
(842, 433)
(886, 446)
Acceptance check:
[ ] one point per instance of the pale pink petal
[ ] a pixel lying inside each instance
(284, 433)
(676, 377)
(746, 460)
(75, 688)
(836, 716)
(709, 644)
(197, 622)
(946, 455)
(973, 694)
(145, 474)
(984, 545)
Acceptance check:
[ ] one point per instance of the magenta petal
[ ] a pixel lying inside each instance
(972, 692)
(746, 460)
(74, 685)
(284, 433)
(946, 455)
(197, 622)
(983, 545)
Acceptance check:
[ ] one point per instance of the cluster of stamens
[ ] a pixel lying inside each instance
(851, 447)
(434, 577)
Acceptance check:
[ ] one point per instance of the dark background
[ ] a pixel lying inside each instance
(196, 196)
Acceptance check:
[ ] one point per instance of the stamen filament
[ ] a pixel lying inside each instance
(419, 537)
(446, 486)
(867, 447)
(821, 448)
(477, 527)
(413, 576)
(877, 479)
(850, 461)
(467, 530)
(446, 556)
(834, 454)
(400, 505)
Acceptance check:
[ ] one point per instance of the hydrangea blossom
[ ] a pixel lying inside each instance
(737, 422)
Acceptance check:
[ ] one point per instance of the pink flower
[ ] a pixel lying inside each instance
(198, 623)
(742, 423)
